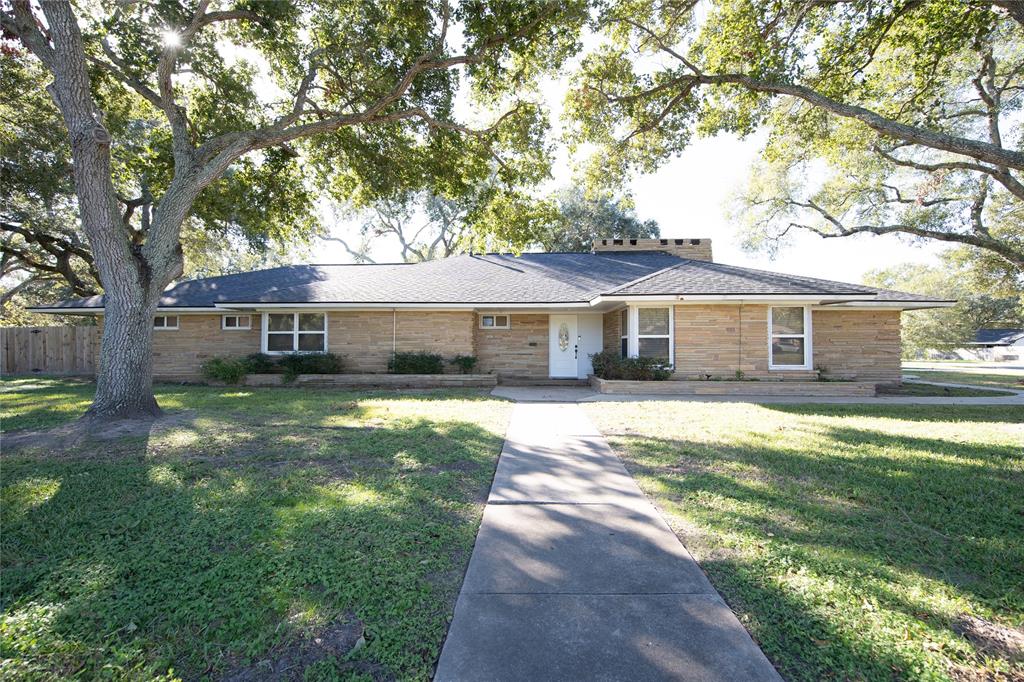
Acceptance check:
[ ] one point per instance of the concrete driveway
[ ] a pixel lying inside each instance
(575, 575)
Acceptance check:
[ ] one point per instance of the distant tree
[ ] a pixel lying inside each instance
(425, 225)
(582, 219)
(362, 91)
(898, 117)
(945, 328)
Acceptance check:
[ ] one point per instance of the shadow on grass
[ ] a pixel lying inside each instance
(224, 549)
(830, 548)
(914, 413)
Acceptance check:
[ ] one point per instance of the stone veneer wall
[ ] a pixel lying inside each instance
(509, 353)
(365, 338)
(696, 249)
(720, 339)
(848, 344)
(861, 344)
(179, 353)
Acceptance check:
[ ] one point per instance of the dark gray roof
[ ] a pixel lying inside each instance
(998, 337)
(494, 279)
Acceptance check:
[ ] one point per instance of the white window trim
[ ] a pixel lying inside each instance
(177, 322)
(223, 323)
(806, 336)
(507, 325)
(624, 333)
(635, 335)
(265, 330)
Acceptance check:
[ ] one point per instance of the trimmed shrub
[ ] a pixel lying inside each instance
(259, 363)
(465, 363)
(608, 365)
(228, 370)
(416, 363)
(295, 364)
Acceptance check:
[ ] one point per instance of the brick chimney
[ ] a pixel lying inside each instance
(696, 249)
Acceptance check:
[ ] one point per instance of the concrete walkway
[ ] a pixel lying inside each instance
(575, 576)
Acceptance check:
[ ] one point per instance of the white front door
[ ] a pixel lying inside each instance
(563, 347)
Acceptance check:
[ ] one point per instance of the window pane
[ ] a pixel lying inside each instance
(280, 322)
(654, 348)
(311, 322)
(311, 342)
(487, 321)
(158, 321)
(501, 321)
(230, 321)
(624, 322)
(787, 352)
(244, 321)
(788, 321)
(653, 321)
(625, 346)
(279, 342)
(171, 321)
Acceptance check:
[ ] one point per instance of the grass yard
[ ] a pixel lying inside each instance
(855, 542)
(993, 380)
(301, 534)
(932, 391)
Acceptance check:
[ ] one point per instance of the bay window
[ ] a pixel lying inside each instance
(789, 343)
(295, 332)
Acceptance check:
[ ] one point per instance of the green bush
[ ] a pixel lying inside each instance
(608, 365)
(259, 363)
(228, 370)
(416, 363)
(465, 363)
(295, 364)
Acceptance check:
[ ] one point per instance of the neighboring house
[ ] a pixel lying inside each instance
(998, 345)
(540, 315)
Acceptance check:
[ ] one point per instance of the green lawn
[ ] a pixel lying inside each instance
(311, 533)
(932, 391)
(853, 541)
(972, 378)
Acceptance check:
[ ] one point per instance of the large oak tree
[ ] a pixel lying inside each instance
(883, 116)
(364, 93)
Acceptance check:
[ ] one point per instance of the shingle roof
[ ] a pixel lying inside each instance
(495, 279)
(998, 337)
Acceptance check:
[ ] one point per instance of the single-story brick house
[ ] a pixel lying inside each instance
(539, 315)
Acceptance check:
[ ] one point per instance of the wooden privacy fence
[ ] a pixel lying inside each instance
(48, 350)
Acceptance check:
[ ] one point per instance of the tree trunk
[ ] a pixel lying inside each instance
(124, 381)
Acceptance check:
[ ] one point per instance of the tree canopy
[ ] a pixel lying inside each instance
(979, 305)
(883, 117)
